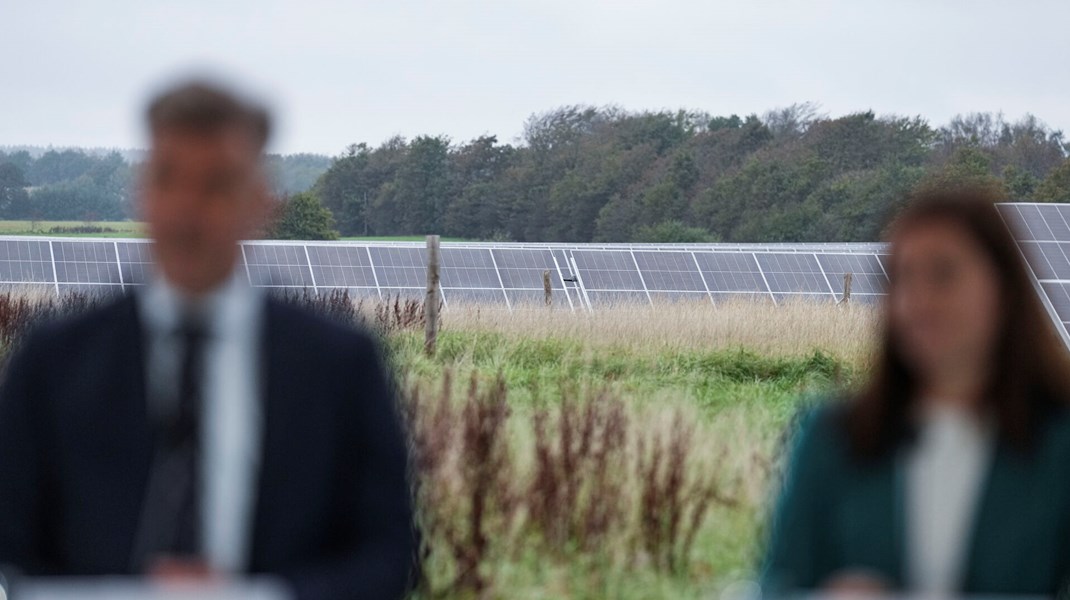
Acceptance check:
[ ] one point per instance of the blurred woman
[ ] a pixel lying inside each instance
(949, 473)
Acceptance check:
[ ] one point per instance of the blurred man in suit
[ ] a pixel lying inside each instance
(200, 429)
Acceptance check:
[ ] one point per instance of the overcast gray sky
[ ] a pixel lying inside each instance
(339, 72)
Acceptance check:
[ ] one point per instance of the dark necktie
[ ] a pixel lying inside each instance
(171, 517)
(183, 439)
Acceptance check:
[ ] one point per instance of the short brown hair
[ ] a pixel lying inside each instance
(206, 107)
(1031, 375)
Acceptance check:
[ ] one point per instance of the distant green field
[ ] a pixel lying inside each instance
(117, 228)
(398, 238)
(136, 229)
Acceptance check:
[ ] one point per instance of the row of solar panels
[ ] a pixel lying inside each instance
(789, 247)
(1043, 234)
(580, 276)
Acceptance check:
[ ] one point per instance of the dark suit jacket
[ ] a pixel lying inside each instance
(332, 512)
(837, 513)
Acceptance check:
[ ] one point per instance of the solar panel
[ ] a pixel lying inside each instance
(25, 261)
(1033, 222)
(1055, 218)
(277, 265)
(794, 274)
(1045, 258)
(399, 267)
(522, 269)
(135, 262)
(468, 268)
(608, 270)
(343, 267)
(18, 250)
(1059, 293)
(867, 274)
(87, 262)
(731, 274)
(581, 275)
(670, 271)
(1043, 236)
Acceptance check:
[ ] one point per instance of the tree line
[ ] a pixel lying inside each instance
(603, 174)
(583, 174)
(73, 184)
(68, 184)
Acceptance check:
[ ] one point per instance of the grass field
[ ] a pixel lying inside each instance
(396, 238)
(626, 453)
(622, 454)
(122, 229)
(135, 229)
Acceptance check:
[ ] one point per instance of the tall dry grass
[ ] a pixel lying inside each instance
(788, 329)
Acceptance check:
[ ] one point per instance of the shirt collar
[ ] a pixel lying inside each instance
(231, 307)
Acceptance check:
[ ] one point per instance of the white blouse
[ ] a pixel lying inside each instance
(944, 478)
(945, 474)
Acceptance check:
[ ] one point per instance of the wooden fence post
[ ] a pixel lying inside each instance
(431, 299)
(847, 277)
(547, 288)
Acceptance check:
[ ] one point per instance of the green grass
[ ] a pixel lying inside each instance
(136, 229)
(710, 380)
(743, 402)
(123, 229)
(396, 238)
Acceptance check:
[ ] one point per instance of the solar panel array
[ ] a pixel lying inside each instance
(582, 276)
(1043, 234)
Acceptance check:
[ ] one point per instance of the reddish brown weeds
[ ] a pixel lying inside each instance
(592, 478)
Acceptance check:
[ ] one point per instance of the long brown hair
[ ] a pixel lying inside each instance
(1031, 374)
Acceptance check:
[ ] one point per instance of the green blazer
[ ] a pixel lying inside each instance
(836, 512)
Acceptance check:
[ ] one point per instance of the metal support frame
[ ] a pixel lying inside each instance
(705, 284)
(642, 279)
(308, 261)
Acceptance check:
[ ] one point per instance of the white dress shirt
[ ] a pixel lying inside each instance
(945, 475)
(231, 413)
